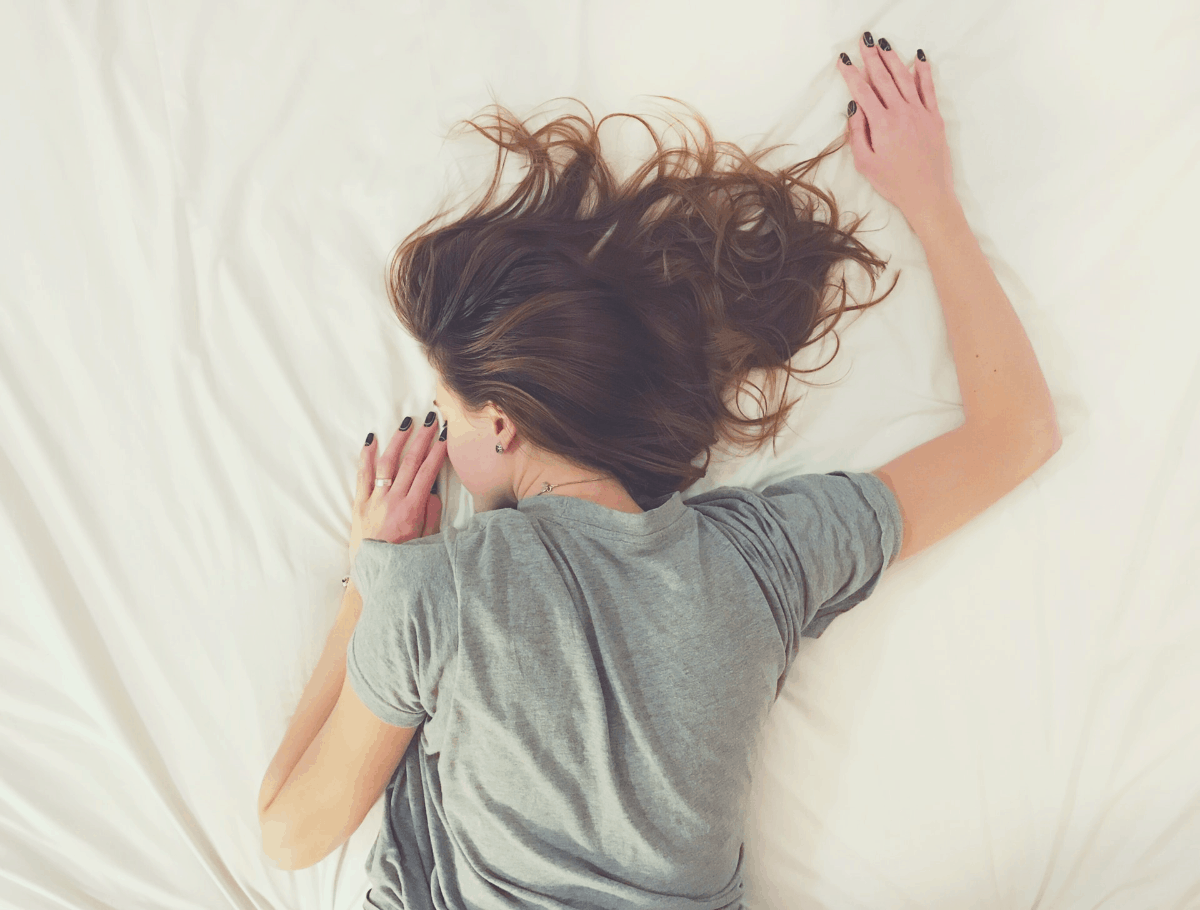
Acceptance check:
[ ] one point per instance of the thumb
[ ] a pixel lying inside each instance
(366, 470)
(433, 516)
(856, 123)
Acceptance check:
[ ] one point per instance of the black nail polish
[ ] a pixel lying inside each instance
(883, 44)
(846, 59)
(442, 438)
(868, 40)
(407, 423)
(851, 108)
(920, 55)
(430, 418)
(433, 489)
(370, 436)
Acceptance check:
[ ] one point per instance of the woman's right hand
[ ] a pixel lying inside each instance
(897, 134)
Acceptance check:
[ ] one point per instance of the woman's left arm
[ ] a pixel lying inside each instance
(316, 703)
(397, 511)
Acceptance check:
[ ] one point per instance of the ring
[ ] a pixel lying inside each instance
(382, 482)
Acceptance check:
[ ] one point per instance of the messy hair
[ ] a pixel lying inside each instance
(610, 319)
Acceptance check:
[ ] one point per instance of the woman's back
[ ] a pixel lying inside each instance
(595, 683)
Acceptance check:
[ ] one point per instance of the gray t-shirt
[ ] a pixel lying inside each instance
(593, 685)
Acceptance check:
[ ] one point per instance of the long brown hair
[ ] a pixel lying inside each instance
(610, 319)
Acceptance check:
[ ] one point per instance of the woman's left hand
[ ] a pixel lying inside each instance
(405, 509)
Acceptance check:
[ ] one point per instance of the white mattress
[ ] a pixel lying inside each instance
(198, 202)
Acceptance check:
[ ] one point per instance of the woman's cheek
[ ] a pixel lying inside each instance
(476, 471)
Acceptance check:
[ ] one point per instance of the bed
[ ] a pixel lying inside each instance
(199, 200)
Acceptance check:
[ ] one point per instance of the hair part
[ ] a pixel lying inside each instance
(608, 318)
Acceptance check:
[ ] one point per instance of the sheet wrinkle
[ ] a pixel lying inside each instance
(110, 700)
(189, 290)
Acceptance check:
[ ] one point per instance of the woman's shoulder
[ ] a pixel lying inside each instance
(482, 532)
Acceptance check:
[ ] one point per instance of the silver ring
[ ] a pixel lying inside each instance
(382, 482)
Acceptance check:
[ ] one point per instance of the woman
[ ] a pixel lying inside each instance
(592, 659)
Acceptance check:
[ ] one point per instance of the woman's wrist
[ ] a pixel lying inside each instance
(938, 213)
(351, 599)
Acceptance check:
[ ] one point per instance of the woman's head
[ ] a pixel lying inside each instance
(499, 477)
(602, 324)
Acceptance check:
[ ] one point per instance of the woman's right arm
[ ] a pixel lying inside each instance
(998, 372)
(1010, 427)
(899, 144)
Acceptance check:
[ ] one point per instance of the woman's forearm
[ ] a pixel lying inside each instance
(316, 701)
(998, 372)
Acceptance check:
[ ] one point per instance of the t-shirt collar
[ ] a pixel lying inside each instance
(572, 508)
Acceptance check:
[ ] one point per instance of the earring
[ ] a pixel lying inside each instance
(499, 448)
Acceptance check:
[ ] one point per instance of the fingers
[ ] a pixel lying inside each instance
(390, 459)
(860, 142)
(366, 470)
(422, 461)
(883, 83)
(881, 78)
(860, 90)
(433, 516)
(924, 80)
(903, 79)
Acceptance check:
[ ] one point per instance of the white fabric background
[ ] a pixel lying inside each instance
(197, 203)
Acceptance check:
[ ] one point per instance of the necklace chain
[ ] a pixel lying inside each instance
(547, 487)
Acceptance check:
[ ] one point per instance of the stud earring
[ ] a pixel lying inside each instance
(499, 448)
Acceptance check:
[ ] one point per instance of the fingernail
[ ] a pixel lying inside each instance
(407, 423)
(442, 438)
(846, 59)
(883, 44)
(868, 40)
(851, 108)
(920, 54)
(433, 489)
(370, 436)
(430, 418)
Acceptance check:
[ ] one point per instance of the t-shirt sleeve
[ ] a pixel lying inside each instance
(817, 543)
(407, 633)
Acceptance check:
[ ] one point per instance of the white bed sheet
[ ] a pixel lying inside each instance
(198, 200)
